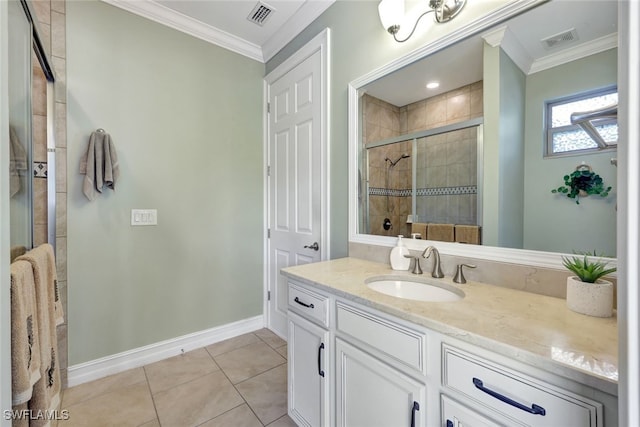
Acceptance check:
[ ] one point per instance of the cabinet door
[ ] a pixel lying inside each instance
(371, 393)
(308, 354)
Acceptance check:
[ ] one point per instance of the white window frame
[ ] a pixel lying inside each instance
(550, 131)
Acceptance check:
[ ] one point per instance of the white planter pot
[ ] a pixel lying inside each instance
(592, 299)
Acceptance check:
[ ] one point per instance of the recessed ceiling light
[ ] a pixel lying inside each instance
(433, 85)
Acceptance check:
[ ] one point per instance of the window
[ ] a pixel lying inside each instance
(565, 138)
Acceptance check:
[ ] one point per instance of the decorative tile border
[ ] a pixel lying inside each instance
(437, 191)
(40, 170)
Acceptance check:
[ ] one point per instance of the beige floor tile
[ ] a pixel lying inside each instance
(242, 416)
(283, 422)
(270, 338)
(266, 394)
(232, 344)
(197, 401)
(154, 423)
(179, 369)
(108, 384)
(282, 351)
(127, 406)
(248, 361)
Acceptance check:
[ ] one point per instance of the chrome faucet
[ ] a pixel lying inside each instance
(437, 271)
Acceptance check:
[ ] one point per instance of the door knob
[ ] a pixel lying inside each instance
(314, 246)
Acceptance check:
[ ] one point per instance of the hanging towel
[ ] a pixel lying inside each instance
(468, 234)
(17, 162)
(25, 344)
(46, 392)
(440, 232)
(99, 165)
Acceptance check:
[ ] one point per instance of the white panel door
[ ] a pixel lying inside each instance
(295, 162)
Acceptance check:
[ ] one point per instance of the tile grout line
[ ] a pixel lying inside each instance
(153, 400)
(236, 389)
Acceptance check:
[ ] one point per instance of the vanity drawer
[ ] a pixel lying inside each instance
(516, 395)
(309, 304)
(390, 338)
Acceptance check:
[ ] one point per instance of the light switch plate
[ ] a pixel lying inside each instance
(144, 217)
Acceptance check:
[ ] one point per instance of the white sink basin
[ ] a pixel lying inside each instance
(414, 289)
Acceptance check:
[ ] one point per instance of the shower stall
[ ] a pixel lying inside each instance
(431, 176)
(32, 148)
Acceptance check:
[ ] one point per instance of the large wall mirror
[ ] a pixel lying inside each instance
(481, 153)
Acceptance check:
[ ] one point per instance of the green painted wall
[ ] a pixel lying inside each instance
(186, 118)
(554, 222)
(502, 198)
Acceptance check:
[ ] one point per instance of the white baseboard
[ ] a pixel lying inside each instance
(109, 365)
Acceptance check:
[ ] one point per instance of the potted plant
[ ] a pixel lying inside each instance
(582, 182)
(587, 292)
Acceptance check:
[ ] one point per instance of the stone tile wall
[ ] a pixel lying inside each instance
(51, 22)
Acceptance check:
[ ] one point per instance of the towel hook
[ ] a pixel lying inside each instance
(100, 130)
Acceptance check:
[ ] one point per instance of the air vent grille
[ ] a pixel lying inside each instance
(560, 39)
(260, 13)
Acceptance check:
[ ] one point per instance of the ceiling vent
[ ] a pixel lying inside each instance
(560, 39)
(260, 13)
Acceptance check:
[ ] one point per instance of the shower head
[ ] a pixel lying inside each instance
(404, 156)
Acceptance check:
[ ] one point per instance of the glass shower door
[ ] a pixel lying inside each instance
(20, 123)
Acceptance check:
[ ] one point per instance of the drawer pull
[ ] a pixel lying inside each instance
(320, 371)
(449, 423)
(535, 409)
(416, 407)
(303, 304)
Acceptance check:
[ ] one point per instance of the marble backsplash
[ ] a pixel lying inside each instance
(537, 280)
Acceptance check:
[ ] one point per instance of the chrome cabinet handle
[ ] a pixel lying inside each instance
(535, 409)
(313, 246)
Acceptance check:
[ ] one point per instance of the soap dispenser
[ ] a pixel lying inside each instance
(397, 257)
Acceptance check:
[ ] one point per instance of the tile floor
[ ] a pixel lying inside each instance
(240, 382)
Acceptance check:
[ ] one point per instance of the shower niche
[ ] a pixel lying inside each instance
(414, 171)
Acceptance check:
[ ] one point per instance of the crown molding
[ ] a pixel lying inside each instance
(305, 15)
(163, 15)
(504, 38)
(583, 50)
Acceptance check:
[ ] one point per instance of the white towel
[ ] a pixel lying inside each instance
(17, 162)
(99, 165)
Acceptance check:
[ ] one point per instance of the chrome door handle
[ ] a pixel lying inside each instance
(314, 246)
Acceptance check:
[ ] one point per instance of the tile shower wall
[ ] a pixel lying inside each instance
(51, 18)
(445, 170)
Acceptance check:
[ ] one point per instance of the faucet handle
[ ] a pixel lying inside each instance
(416, 266)
(459, 277)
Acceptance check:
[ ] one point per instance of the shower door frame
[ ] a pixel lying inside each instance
(415, 136)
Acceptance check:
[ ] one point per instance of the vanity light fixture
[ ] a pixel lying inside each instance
(392, 14)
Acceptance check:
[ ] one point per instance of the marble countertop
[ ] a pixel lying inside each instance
(534, 329)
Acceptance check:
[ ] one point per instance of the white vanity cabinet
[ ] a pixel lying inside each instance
(482, 383)
(372, 393)
(352, 365)
(309, 350)
(379, 365)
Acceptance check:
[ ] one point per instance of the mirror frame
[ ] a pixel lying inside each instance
(508, 255)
